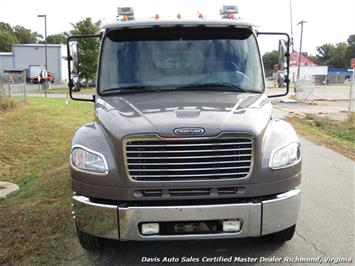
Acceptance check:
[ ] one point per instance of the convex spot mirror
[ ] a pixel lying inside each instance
(282, 54)
(75, 67)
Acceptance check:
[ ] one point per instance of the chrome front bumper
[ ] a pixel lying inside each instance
(115, 222)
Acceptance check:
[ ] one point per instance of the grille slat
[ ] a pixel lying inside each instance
(187, 163)
(192, 175)
(189, 159)
(190, 169)
(191, 151)
(186, 145)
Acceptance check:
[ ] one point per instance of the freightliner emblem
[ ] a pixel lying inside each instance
(189, 131)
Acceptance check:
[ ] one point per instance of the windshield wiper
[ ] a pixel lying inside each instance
(130, 89)
(203, 86)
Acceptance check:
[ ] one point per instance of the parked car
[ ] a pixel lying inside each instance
(89, 83)
(35, 79)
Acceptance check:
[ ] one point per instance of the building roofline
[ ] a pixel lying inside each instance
(37, 45)
(14, 69)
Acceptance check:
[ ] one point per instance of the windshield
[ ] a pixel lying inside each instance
(184, 57)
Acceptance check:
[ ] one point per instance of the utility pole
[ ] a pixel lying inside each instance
(45, 53)
(352, 91)
(300, 51)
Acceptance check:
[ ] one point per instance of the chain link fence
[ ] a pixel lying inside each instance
(305, 90)
(4, 90)
(12, 87)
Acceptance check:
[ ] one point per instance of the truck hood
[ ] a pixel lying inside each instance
(163, 112)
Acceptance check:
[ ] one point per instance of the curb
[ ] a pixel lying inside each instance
(7, 188)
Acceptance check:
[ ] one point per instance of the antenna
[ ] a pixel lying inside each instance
(291, 20)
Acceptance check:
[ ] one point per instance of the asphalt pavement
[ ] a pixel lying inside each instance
(325, 227)
(330, 92)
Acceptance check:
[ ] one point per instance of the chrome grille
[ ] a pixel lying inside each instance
(188, 159)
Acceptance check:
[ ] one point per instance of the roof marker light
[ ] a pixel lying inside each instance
(157, 16)
(231, 16)
(125, 13)
(178, 16)
(229, 12)
(200, 15)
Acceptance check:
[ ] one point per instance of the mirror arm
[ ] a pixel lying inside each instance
(287, 55)
(69, 59)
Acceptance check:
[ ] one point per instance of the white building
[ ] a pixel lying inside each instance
(32, 58)
(6, 61)
(309, 70)
(317, 74)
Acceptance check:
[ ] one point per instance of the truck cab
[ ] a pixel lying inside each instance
(184, 144)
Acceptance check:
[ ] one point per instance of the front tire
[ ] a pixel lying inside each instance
(284, 235)
(89, 242)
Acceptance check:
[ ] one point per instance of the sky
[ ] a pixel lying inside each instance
(328, 21)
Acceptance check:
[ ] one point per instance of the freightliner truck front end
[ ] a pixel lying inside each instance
(184, 144)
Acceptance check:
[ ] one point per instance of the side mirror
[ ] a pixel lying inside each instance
(73, 47)
(283, 62)
(76, 71)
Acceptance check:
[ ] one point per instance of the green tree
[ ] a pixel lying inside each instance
(332, 55)
(6, 40)
(350, 52)
(24, 35)
(88, 47)
(338, 59)
(325, 52)
(6, 27)
(60, 38)
(270, 59)
(7, 37)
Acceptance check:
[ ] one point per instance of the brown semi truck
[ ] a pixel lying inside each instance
(184, 144)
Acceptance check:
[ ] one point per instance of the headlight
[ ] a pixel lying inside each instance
(285, 156)
(88, 160)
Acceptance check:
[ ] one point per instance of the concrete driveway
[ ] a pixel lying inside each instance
(325, 226)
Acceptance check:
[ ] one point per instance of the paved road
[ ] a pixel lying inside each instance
(337, 110)
(35, 87)
(325, 226)
(321, 92)
(57, 95)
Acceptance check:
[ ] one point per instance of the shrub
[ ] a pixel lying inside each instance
(7, 104)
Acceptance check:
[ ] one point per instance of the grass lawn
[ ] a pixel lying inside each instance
(35, 138)
(337, 135)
